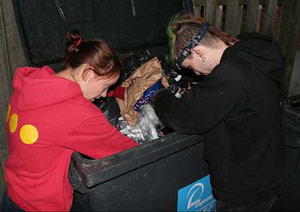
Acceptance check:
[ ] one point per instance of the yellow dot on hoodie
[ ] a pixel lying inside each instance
(13, 123)
(29, 134)
(8, 112)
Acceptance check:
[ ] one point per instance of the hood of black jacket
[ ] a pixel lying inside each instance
(261, 51)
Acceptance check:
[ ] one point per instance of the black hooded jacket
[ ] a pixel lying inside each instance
(237, 109)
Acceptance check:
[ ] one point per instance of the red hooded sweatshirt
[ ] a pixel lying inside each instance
(48, 119)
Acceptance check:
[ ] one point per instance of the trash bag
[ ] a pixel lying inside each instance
(132, 62)
(110, 109)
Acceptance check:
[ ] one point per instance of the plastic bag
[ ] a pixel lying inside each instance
(146, 128)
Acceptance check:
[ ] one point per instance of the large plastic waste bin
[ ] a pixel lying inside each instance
(149, 176)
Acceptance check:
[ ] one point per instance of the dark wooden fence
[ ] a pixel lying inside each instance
(236, 16)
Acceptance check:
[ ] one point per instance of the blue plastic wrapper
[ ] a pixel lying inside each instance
(147, 95)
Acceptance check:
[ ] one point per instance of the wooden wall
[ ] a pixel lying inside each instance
(11, 57)
(288, 40)
(5, 90)
(227, 15)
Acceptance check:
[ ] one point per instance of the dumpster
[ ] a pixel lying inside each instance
(157, 175)
(147, 177)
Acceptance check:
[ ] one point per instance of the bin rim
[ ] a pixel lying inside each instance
(94, 172)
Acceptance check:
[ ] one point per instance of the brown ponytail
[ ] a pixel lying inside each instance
(95, 53)
(73, 38)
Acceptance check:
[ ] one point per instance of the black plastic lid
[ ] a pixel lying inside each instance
(124, 24)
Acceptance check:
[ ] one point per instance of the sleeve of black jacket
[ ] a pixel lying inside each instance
(207, 103)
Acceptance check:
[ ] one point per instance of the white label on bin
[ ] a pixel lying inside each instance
(196, 196)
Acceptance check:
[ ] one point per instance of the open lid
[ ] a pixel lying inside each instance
(124, 24)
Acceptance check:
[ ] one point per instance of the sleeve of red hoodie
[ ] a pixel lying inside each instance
(97, 138)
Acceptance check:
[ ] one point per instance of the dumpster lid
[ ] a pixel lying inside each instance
(124, 24)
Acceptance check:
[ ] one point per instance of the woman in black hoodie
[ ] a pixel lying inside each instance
(236, 107)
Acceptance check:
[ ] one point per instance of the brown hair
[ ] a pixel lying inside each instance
(95, 53)
(184, 27)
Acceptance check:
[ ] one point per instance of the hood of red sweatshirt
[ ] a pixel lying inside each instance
(39, 87)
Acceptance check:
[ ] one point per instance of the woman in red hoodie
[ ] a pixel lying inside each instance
(50, 116)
